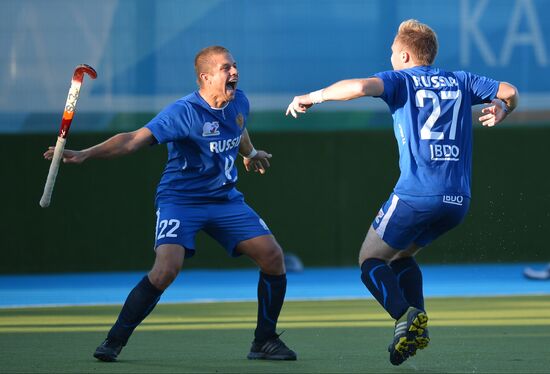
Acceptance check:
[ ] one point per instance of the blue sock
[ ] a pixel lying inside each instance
(409, 278)
(382, 284)
(271, 295)
(139, 303)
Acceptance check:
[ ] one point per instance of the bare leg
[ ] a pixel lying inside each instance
(168, 263)
(266, 252)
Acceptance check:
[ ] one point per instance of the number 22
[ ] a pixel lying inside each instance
(163, 225)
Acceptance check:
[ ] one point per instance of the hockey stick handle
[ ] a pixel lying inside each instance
(68, 114)
(52, 174)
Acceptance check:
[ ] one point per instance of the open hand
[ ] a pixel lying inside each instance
(300, 104)
(258, 163)
(494, 113)
(69, 156)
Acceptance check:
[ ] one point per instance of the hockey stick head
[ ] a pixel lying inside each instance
(72, 97)
(82, 69)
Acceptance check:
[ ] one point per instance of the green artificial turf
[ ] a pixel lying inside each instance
(472, 335)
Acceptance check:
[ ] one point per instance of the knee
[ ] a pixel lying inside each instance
(401, 255)
(162, 277)
(272, 261)
(363, 256)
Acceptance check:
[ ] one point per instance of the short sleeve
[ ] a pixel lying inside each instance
(243, 103)
(392, 87)
(482, 89)
(246, 105)
(171, 124)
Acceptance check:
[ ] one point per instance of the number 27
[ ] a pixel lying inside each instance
(426, 132)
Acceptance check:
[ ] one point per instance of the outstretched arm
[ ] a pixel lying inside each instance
(340, 91)
(253, 159)
(504, 104)
(118, 145)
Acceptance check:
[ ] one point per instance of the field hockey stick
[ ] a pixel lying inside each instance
(68, 113)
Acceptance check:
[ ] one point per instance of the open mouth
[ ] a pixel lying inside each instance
(231, 85)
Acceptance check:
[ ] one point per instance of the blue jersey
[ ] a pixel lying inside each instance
(203, 145)
(432, 116)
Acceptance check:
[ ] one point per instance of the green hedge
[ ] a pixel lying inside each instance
(319, 198)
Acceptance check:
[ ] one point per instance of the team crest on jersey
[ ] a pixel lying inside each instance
(211, 128)
(240, 120)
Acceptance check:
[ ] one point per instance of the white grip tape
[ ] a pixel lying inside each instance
(52, 174)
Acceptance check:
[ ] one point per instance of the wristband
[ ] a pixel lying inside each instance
(252, 153)
(504, 107)
(316, 97)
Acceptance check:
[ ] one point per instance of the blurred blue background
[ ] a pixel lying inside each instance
(331, 169)
(143, 50)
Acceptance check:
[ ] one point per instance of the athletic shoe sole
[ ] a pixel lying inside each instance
(104, 357)
(265, 356)
(415, 338)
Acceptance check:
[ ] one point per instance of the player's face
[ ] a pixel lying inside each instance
(397, 56)
(394, 57)
(223, 77)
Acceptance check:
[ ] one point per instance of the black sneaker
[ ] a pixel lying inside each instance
(272, 349)
(411, 334)
(109, 350)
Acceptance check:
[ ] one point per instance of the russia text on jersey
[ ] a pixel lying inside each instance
(224, 145)
(434, 81)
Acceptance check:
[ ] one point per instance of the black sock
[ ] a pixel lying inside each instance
(409, 278)
(382, 284)
(271, 295)
(139, 303)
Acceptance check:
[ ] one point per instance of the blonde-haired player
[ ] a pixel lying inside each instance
(432, 116)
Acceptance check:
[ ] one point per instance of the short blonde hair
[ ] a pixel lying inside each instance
(420, 39)
(203, 61)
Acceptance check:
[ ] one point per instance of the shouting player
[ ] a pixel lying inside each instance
(204, 132)
(432, 116)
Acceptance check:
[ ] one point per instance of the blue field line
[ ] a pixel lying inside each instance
(240, 285)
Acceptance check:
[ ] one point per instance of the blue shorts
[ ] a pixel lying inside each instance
(228, 222)
(404, 220)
